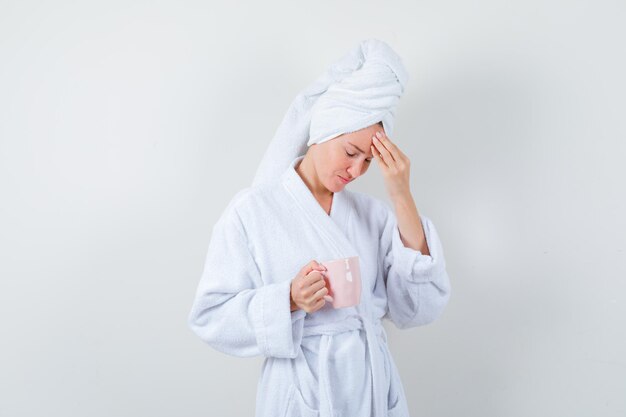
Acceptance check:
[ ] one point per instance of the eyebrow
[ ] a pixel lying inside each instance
(360, 150)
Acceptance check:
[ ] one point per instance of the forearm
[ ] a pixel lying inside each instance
(409, 223)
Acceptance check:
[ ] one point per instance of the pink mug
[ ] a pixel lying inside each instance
(343, 280)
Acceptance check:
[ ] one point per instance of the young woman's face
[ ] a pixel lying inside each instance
(347, 156)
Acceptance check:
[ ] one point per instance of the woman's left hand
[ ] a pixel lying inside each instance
(394, 164)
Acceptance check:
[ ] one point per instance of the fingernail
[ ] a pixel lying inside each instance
(379, 135)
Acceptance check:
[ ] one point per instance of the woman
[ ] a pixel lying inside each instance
(262, 290)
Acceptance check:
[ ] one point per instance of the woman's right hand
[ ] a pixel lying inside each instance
(308, 288)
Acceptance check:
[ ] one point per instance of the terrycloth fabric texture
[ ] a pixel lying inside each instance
(332, 362)
(357, 91)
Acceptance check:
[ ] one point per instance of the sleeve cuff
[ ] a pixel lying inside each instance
(411, 263)
(278, 329)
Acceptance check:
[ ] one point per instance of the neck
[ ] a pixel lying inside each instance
(307, 172)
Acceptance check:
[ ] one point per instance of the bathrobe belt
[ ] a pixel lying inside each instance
(373, 330)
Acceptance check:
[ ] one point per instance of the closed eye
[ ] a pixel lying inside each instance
(353, 154)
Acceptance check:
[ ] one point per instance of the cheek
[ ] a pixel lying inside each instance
(337, 162)
(331, 166)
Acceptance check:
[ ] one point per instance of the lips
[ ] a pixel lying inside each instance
(345, 181)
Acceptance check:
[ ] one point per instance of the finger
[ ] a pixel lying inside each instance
(396, 152)
(309, 267)
(378, 157)
(382, 136)
(318, 265)
(389, 145)
(313, 288)
(386, 140)
(376, 154)
(383, 152)
(312, 277)
(385, 145)
(320, 303)
(320, 293)
(312, 266)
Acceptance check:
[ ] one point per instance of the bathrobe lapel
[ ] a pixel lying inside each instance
(327, 225)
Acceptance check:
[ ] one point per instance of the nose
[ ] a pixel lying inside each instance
(356, 169)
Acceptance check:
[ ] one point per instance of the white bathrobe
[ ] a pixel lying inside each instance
(332, 362)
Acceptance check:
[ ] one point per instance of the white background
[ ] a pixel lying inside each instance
(126, 127)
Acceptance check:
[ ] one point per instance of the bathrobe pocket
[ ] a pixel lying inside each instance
(396, 411)
(396, 400)
(296, 407)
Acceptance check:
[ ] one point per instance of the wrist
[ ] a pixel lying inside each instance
(292, 304)
(402, 196)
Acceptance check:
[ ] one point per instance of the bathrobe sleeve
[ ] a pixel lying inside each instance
(233, 310)
(417, 285)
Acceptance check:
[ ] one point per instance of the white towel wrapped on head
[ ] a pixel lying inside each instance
(357, 91)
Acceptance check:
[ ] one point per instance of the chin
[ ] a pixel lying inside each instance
(336, 187)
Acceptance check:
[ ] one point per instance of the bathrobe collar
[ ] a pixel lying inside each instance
(327, 225)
